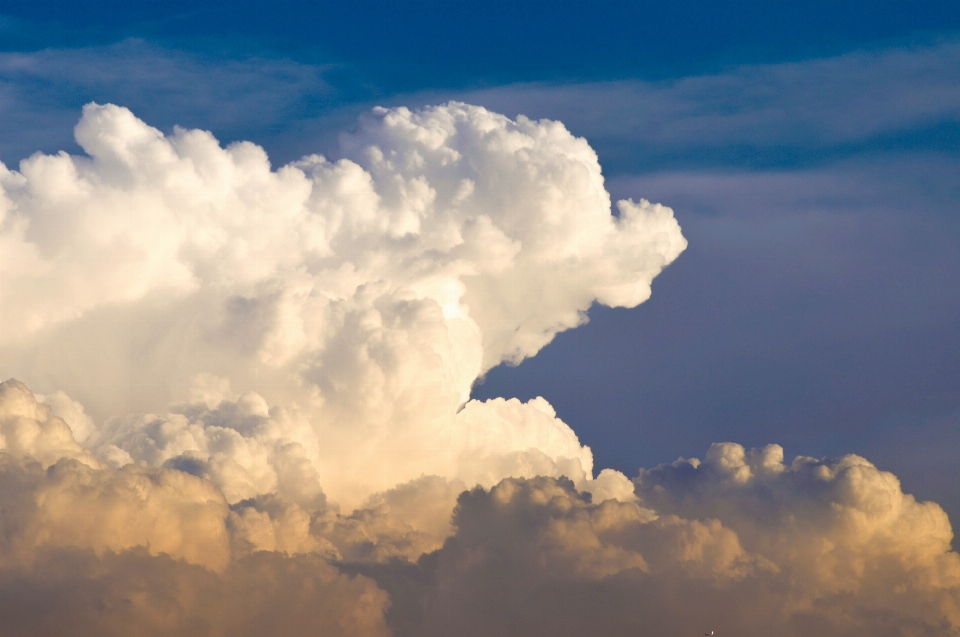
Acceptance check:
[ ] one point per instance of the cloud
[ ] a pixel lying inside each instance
(754, 114)
(363, 298)
(28, 428)
(106, 550)
(740, 543)
(817, 307)
(70, 591)
(237, 97)
(255, 409)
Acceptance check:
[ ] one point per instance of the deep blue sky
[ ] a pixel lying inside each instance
(399, 46)
(811, 151)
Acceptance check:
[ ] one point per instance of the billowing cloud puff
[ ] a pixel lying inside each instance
(94, 550)
(28, 428)
(183, 509)
(741, 544)
(243, 448)
(362, 297)
(842, 531)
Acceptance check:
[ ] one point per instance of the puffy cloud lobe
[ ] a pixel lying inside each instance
(56, 494)
(554, 563)
(366, 294)
(243, 448)
(539, 443)
(90, 549)
(247, 449)
(74, 505)
(839, 527)
(179, 509)
(72, 413)
(542, 191)
(28, 428)
(828, 547)
(402, 523)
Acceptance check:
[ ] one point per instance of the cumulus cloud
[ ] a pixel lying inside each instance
(740, 543)
(96, 550)
(28, 428)
(343, 309)
(255, 409)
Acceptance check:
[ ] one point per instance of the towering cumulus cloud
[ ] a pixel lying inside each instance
(253, 408)
(343, 310)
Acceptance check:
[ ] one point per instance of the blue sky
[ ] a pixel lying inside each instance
(811, 153)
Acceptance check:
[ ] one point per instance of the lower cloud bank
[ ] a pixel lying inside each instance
(739, 542)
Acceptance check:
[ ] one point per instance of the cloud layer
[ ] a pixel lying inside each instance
(740, 541)
(255, 409)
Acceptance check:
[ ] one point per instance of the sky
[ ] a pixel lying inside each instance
(281, 349)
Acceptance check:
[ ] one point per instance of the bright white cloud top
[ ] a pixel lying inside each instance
(359, 300)
(253, 379)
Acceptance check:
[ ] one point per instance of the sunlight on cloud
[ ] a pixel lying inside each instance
(256, 406)
(343, 309)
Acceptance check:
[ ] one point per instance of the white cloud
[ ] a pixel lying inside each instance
(362, 297)
(29, 429)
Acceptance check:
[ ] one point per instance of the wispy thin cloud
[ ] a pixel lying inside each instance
(749, 115)
(237, 98)
(817, 103)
